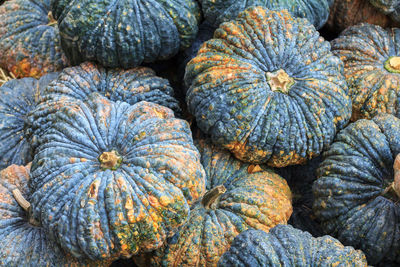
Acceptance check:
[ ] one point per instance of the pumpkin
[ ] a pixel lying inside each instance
(238, 196)
(125, 33)
(356, 194)
(390, 7)
(300, 179)
(29, 39)
(132, 86)
(268, 88)
(371, 57)
(346, 13)
(23, 242)
(288, 246)
(219, 11)
(17, 100)
(111, 179)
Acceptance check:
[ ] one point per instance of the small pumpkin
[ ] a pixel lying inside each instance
(371, 57)
(239, 196)
(16, 102)
(356, 195)
(268, 88)
(219, 11)
(111, 179)
(346, 13)
(23, 242)
(288, 246)
(125, 33)
(29, 39)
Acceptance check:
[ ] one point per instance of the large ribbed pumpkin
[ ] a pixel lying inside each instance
(16, 101)
(268, 88)
(218, 11)
(371, 57)
(22, 241)
(125, 33)
(357, 191)
(239, 196)
(29, 39)
(288, 246)
(112, 180)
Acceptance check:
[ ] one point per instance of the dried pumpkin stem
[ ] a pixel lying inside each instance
(25, 205)
(52, 21)
(212, 195)
(393, 64)
(279, 81)
(110, 160)
(396, 182)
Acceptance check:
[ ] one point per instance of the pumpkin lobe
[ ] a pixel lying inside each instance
(393, 65)
(279, 81)
(110, 160)
(25, 205)
(212, 195)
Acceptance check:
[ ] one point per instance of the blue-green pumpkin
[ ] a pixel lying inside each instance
(356, 195)
(125, 33)
(219, 11)
(112, 180)
(268, 88)
(389, 7)
(288, 246)
(29, 39)
(23, 241)
(16, 102)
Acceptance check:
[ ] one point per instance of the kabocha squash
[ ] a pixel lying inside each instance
(111, 180)
(268, 88)
(288, 246)
(239, 196)
(390, 7)
(371, 57)
(218, 11)
(29, 39)
(23, 242)
(131, 86)
(125, 33)
(16, 101)
(356, 193)
(346, 13)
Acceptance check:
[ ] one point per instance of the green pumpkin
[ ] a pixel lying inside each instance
(268, 88)
(23, 241)
(371, 57)
(29, 39)
(112, 180)
(218, 11)
(239, 196)
(288, 246)
(125, 33)
(356, 195)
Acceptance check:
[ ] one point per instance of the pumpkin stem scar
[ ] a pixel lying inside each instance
(279, 81)
(25, 205)
(52, 21)
(110, 160)
(212, 195)
(393, 64)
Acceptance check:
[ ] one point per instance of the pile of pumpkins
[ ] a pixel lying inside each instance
(199, 133)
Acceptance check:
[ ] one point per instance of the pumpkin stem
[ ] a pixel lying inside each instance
(110, 160)
(279, 81)
(51, 19)
(25, 205)
(212, 195)
(393, 64)
(396, 182)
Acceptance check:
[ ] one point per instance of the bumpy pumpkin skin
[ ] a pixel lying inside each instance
(390, 7)
(131, 86)
(111, 180)
(16, 101)
(369, 54)
(350, 196)
(219, 11)
(125, 33)
(29, 39)
(288, 246)
(254, 197)
(235, 100)
(22, 243)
